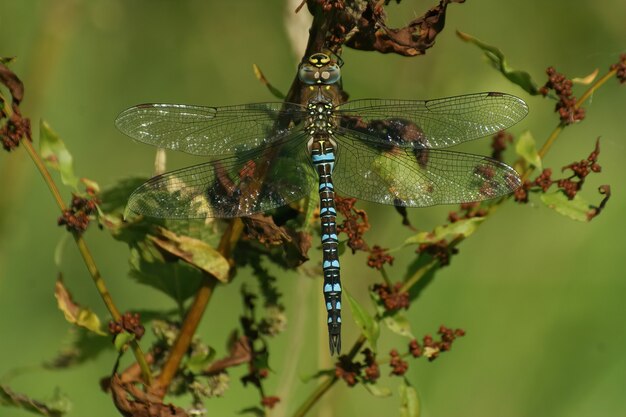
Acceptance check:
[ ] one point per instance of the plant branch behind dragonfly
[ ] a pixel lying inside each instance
(266, 155)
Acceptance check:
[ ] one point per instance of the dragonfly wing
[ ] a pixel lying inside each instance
(436, 123)
(240, 185)
(418, 177)
(213, 131)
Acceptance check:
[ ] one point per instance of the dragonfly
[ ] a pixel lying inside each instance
(265, 155)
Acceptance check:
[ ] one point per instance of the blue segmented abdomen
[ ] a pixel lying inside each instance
(323, 157)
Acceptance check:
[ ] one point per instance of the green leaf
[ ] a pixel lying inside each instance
(175, 279)
(193, 251)
(399, 324)
(114, 199)
(576, 209)
(409, 400)
(421, 261)
(122, 340)
(464, 227)
(376, 390)
(74, 313)
(525, 147)
(395, 321)
(200, 360)
(498, 61)
(364, 320)
(57, 406)
(56, 156)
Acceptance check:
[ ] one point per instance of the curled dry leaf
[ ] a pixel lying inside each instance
(12, 82)
(133, 402)
(240, 352)
(371, 33)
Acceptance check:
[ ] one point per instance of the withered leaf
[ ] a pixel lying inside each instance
(12, 82)
(193, 251)
(133, 402)
(73, 312)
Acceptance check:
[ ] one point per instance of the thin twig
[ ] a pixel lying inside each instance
(88, 258)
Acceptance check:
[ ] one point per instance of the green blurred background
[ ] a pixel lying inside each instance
(540, 296)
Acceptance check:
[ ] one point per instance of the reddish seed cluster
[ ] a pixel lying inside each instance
(499, 143)
(439, 250)
(372, 371)
(128, 322)
(76, 218)
(620, 67)
(355, 223)
(14, 130)
(398, 366)
(570, 186)
(378, 257)
(393, 299)
(348, 370)
(467, 211)
(415, 349)
(269, 402)
(431, 348)
(566, 106)
(353, 371)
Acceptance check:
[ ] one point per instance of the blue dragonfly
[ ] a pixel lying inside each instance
(266, 155)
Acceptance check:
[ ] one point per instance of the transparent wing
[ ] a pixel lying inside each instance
(431, 124)
(214, 131)
(240, 185)
(418, 177)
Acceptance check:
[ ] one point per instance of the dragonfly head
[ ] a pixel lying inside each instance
(319, 69)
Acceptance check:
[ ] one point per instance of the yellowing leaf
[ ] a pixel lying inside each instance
(261, 77)
(74, 313)
(193, 251)
(464, 227)
(586, 80)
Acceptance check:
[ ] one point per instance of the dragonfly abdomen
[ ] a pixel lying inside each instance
(323, 158)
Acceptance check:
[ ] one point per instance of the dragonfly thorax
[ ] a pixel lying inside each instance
(319, 121)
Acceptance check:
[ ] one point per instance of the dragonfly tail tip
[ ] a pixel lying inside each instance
(334, 342)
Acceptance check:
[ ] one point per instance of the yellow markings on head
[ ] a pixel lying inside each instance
(319, 59)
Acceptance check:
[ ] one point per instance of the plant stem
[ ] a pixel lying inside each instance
(196, 311)
(88, 258)
(315, 396)
(418, 275)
